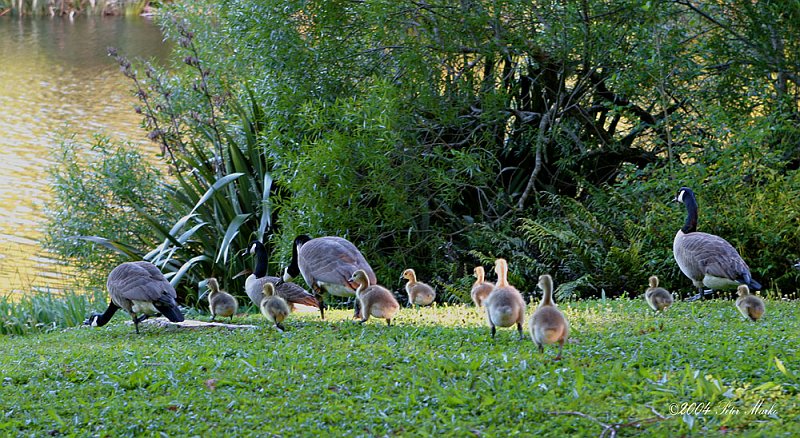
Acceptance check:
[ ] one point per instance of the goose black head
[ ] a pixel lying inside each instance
(293, 270)
(683, 194)
(301, 240)
(92, 320)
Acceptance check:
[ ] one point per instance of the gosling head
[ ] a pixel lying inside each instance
(500, 266)
(653, 281)
(359, 277)
(269, 289)
(743, 290)
(409, 275)
(545, 283)
(478, 272)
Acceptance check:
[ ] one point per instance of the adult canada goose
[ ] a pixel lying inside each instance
(254, 283)
(504, 305)
(375, 300)
(273, 306)
(748, 304)
(548, 325)
(419, 293)
(657, 298)
(220, 303)
(707, 260)
(481, 287)
(326, 264)
(140, 289)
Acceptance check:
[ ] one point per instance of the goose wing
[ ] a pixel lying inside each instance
(332, 260)
(715, 256)
(290, 292)
(140, 281)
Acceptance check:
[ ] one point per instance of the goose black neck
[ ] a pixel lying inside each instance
(690, 225)
(294, 269)
(261, 260)
(102, 319)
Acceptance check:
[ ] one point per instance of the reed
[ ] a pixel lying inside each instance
(39, 8)
(43, 311)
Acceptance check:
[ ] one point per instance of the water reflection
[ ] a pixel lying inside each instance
(54, 72)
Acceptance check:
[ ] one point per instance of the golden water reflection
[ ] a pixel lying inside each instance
(55, 73)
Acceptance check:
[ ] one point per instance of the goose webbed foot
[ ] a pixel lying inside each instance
(702, 295)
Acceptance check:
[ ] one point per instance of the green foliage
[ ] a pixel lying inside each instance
(100, 193)
(437, 371)
(45, 311)
(438, 136)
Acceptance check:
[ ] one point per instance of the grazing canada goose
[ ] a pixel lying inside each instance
(481, 288)
(273, 306)
(254, 283)
(419, 293)
(707, 260)
(657, 298)
(220, 303)
(548, 325)
(748, 304)
(504, 305)
(326, 264)
(141, 290)
(375, 300)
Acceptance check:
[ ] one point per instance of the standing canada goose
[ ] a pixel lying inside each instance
(548, 325)
(326, 264)
(504, 305)
(220, 303)
(657, 298)
(481, 288)
(141, 290)
(419, 293)
(748, 304)
(273, 306)
(254, 283)
(707, 260)
(375, 300)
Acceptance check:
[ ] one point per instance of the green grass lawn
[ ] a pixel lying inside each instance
(700, 368)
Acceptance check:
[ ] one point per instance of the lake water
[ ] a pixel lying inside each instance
(55, 74)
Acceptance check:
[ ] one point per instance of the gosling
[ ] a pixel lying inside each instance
(220, 303)
(748, 304)
(419, 293)
(274, 307)
(374, 300)
(481, 288)
(504, 305)
(658, 298)
(548, 325)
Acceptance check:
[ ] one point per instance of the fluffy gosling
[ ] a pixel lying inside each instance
(419, 293)
(274, 307)
(748, 304)
(548, 325)
(504, 305)
(658, 298)
(374, 300)
(220, 303)
(481, 288)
